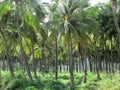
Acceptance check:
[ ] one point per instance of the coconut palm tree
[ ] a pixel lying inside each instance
(24, 12)
(70, 19)
(114, 10)
(3, 31)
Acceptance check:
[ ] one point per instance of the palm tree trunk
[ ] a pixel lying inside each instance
(34, 62)
(56, 60)
(76, 65)
(97, 67)
(79, 64)
(8, 55)
(23, 54)
(3, 64)
(60, 67)
(96, 59)
(71, 64)
(85, 66)
(68, 68)
(90, 63)
(114, 9)
(112, 62)
(43, 57)
(82, 58)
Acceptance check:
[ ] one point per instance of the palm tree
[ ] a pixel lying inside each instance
(7, 53)
(114, 10)
(70, 19)
(54, 36)
(3, 31)
(32, 37)
(24, 15)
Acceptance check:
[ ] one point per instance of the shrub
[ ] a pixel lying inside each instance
(14, 84)
(65, 77)
(55, 85)
(30, 88)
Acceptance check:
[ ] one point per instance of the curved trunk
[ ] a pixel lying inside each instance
(8, 55)
(23, 54)
(24, 57)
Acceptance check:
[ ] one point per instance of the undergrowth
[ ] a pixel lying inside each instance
(47, 82)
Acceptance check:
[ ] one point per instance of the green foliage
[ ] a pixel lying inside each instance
(13, 84)
(30, 88)
(110, 83)
(90, 86)
(55, 85)
(65, 77)
(4, 8)
(30, 19)
(20, 82)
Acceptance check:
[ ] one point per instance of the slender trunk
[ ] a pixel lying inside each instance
(90, 63)
(100, 64)
(8, 55)
(23, 54)
(82, 58)
(71, 64)
(43, 57)
(106, 59)
(76, 65)
(34, 69)
(34, 62)
(118, 56)
(64, 66)
(60, 67)
(24, 58)
(97, 67)
(4, 62)
(106, 63)
(112, 59)
(109, 62)
(56, 60)
(39, 62)
(3, 65)
(116, 65)
(85, 68)
(103, 64)
(114, 9)
(68, 66)
(94, 66)
(96, 59)
(79, 65)
(53, 68)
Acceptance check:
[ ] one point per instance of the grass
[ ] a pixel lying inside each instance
(21, 82)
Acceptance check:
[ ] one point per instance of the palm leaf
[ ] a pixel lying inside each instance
(4, 8)
(30, 19)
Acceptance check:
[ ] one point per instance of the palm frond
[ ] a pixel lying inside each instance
(5, 6)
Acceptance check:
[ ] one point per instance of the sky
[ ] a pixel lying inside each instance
(93, 2)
